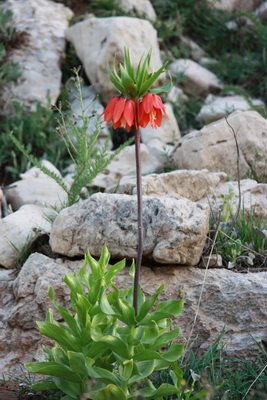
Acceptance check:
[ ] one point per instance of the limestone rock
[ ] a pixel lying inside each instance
(161, 151)
(44, 21)
(142, 7)
(124, 164)
(168, 132)
(236, 301)
(253, 197)
(176, 95)
(216, 107)
(19, 229)
(193, 185)
(98, 40)
(174, 229)
(196, 52)
(213, 147)
(235, 5)
(196, 76)
(44, 192)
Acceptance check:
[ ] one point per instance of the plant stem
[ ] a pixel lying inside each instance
(139, 212)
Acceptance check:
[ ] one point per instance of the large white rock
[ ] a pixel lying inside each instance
(142, 7)
(98, 40)
(213, 147)
(229, 299)
(216, 107)
(124, 164)
(193, 185)
(235, 5)
(168, 132)
(19, 230)
(197, 77)
(174, 229)
(39, 58)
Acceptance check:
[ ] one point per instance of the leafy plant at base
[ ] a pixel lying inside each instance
(103, 349)
(87, 158)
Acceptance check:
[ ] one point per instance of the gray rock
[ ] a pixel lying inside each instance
(193, 185)
(217, 107)
(44, 21)
(143, 7)
(174, 229)
(235, 5)
(197, 77)
(214, 148)
(21, 229)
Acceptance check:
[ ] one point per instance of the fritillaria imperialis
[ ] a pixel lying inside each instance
(136, 106)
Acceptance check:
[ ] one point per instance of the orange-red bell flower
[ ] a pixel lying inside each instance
(121, 112)
(151, 109)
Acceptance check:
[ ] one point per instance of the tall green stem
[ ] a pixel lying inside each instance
(139, 212)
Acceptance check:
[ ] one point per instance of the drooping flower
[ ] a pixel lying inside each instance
(121, 112)
(151, 110)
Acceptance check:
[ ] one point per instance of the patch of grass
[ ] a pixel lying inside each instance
(37, 131)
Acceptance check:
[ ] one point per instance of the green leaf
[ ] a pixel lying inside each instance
(94, 291)
(59, 356)
(148, 355)
(104, 258)
(161, 89)
(113, 271)
(111, 392)
(82, 306)
(127, 311)
(78, 362)
(115, 81)
(101, 374)
(94, 266)
(39, 386)
(149, 82)
(74, 284)
(70, 388)
(145, 368)
(60, 335)
(126, 369)
(151, 333)
(105, 306)
(132, 270)
(147, 305)
(199, 395)
(171, 307)
(174, 351)
(165, 338)
(163, 391)
(54, 369)
(116, 345)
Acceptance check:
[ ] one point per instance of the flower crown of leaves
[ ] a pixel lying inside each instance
(133, 84)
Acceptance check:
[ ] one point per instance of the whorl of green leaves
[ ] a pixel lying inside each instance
(136, 84)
